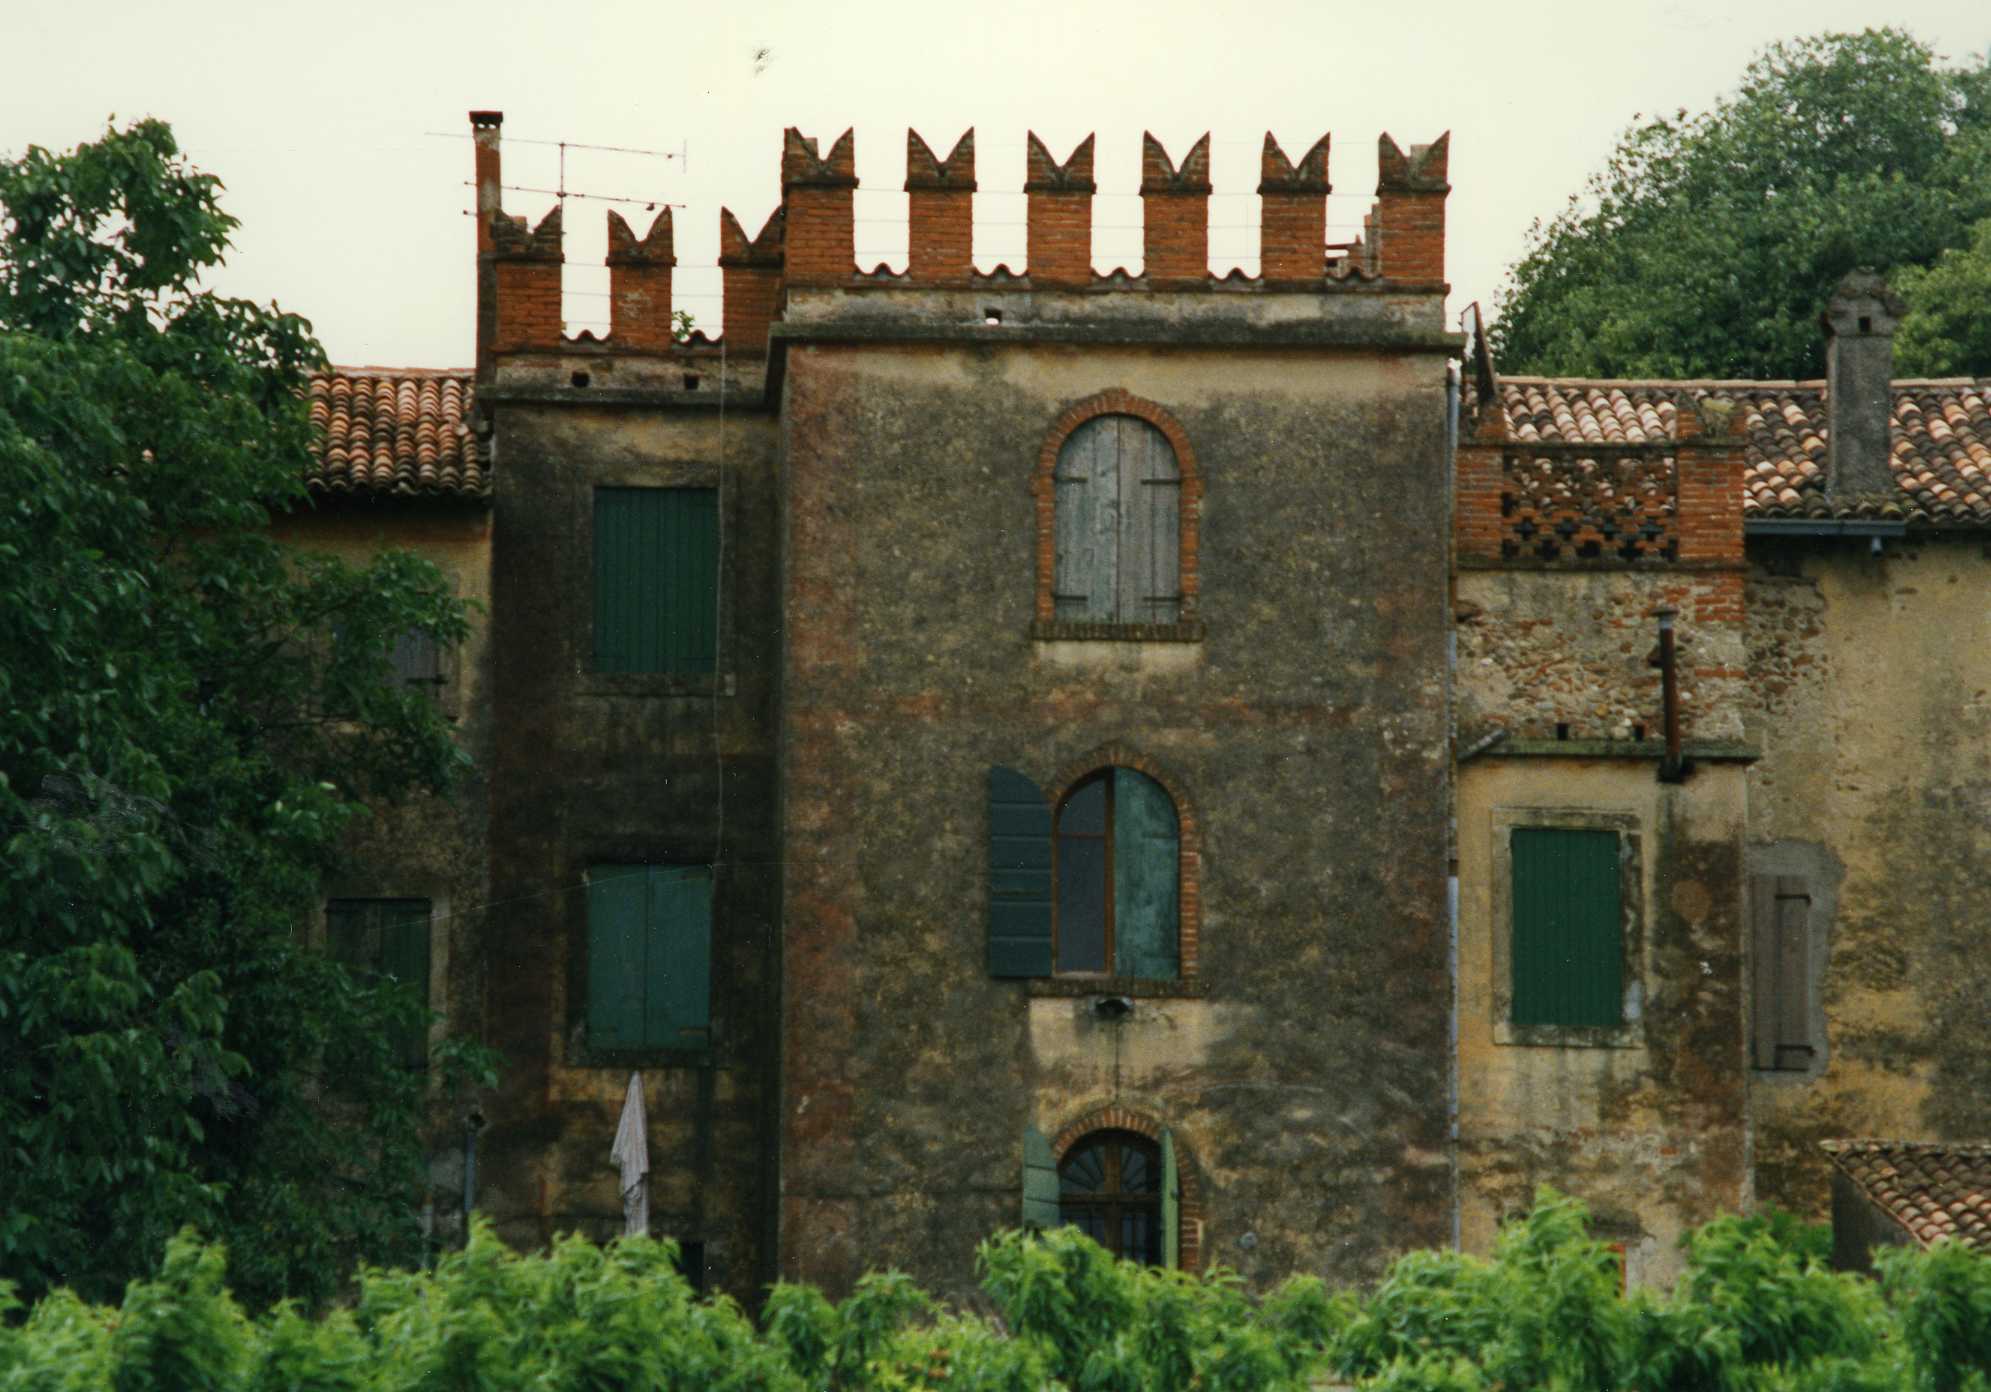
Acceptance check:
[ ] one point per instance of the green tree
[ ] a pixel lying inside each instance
(188, 718)
(1947, 332)
(1708, 244)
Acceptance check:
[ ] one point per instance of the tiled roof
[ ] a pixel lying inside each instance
(1933, 1189)
(1941, 447)
(396, 430)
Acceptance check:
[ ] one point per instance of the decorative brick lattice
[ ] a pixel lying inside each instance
(1606, 505)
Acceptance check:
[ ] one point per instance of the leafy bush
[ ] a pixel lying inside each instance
(1757, 1311)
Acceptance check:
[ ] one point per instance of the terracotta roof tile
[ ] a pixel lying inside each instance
(1941, 451)
(1933, 1189)
(401, 431)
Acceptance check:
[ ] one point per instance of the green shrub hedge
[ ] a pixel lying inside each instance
(1756, 1310)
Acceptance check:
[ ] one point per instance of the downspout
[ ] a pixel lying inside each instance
(1452, 395)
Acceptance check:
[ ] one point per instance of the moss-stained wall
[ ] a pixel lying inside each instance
(1303, 1076)
(1872, 705)
(600, 770)
(1647, 1127)
(428, 848)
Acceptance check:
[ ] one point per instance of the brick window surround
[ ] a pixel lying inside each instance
(1043, 487)
(1191, 1237)
(1189, 884)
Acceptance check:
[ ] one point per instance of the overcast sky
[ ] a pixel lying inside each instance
(340, 129)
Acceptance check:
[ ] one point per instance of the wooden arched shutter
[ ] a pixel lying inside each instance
(1119, 507)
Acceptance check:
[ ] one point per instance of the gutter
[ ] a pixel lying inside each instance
(1824, 527)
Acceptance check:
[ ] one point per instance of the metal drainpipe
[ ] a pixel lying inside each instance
(1672, 769)
(473, 1122)
(1452, 395)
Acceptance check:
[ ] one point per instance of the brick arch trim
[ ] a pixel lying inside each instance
(1191, 1231)
(1189, 840)
(1115, 402)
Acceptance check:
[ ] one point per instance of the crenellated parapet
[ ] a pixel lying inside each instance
(809, 242)
(1058, 214)
(1407, 229)
(639, 283)
(1175, 213)
(817, 193)
(940, 198)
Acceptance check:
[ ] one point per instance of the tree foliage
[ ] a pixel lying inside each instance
(1756, 1312)
(188, 719)
(1708, 244)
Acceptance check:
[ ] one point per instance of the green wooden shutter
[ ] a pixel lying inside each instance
(1087, 504)
(678, 966)
(1171, 1204)
(656, 579)
(1150, 551)
(1146, 878)
(1040, 1181)
(1568, 937)
(1019, 876)
(404, 957)
(377, 939)
(618, 917)
(1782, 1005)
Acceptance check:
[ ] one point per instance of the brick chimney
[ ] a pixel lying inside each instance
(484, 132)
(1859, 322)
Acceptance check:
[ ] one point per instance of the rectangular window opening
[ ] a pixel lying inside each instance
(650, 957)
(1568, 934)
(387, 940)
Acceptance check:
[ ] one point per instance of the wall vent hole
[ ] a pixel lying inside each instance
(1638, 732)
(691, 381)
(1562, 729)
(991, 316)
(580, 379)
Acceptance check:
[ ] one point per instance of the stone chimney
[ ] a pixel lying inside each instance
(484, 130)
(1859, 399)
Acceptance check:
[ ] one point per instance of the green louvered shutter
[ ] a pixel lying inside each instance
(656, 579)
(1146, 879)
(376, 938)
(618, 918)
(1019, 876)
(404, 957)
(1171, 1204)
(1568, 936)
(1040, 1181)
(678, 966)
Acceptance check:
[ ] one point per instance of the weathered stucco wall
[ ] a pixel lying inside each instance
(1872, 705)
(1538, 649)
(1650, 1130)
(1304, 1079)
(428, 848)
(601, 770)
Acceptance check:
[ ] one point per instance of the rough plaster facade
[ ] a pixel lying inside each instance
(1337, 1067)
(1301, 1068)
(1875, 779)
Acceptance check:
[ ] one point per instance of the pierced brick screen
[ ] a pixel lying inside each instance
(1614, 505)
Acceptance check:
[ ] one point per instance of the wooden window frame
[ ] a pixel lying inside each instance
(1114, 1203)
(1188, 980)
(1043, 485)
(580, 638)
(1629, 1033)
(385, 904)
(1104, 775)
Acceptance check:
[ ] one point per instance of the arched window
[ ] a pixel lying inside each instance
(1110, 1188)
(1117, 875)
(1119, 509)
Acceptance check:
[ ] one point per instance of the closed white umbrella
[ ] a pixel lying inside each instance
(631, 1153)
